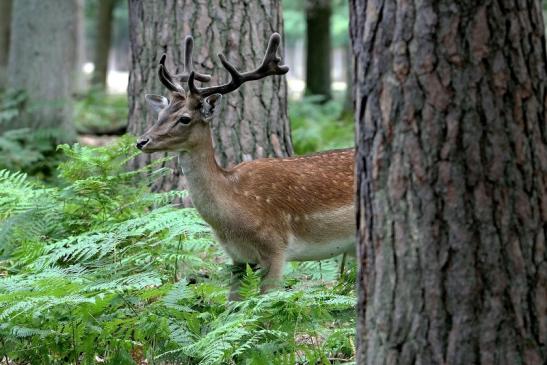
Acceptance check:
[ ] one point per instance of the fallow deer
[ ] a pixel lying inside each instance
(266, 211)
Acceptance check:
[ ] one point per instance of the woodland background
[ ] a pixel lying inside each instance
(98, 263)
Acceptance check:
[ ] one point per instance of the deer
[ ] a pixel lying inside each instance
(263, 212)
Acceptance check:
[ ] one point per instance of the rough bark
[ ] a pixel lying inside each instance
(318, 48)
(451, 102)
(102, 42)
(5, 22)
(42, 59)
(253, 121)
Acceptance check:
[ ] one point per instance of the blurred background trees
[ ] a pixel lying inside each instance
(96, 104)
(318, 48)
(42, 61)
(103, 42)
(5, 22)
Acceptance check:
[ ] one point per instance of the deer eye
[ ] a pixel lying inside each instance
(184, 120)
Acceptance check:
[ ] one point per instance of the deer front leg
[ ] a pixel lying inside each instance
(273, 267)
(238, 271)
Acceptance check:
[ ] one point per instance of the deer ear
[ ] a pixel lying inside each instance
(156, 102)
(210, 105)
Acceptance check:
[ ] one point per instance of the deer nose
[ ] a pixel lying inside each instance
(142, 142)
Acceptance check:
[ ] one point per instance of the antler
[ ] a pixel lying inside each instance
(269, 66)
(169, 80)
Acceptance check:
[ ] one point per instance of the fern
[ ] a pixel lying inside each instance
(250, 284)
(89, 268)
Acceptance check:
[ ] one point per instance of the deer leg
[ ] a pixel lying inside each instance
(238, 271)
(273, 273)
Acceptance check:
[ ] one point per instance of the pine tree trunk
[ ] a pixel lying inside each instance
(451, 102)
(42, 59)
(253, 121)
(318, 48)
(5, 22)
(103, 42)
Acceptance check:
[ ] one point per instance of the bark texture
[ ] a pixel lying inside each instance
(318, 48)
(253, 120)
(103, 42)
(451, 117)
(42, 61)
(5, 22)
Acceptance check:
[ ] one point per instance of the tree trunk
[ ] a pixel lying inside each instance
(318, 48)
(451, 102)
(80, 84)
(253, 121)
(5, 22)
(348, 94)
(102, 42)
(42, 59)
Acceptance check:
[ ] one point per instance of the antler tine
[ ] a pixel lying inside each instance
(166, 78)
(188, 66)
(269, 66)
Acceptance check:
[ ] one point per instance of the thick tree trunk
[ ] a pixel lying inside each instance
(253, 121)
(42, 60)
(318, 48)
(5, 22)
(452, 177)
(103, 42)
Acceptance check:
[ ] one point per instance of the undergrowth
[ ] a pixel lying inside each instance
(99, 112)
(318, 127)
(30, 150)
(100, 270)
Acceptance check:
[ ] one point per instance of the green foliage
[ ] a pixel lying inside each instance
(294, 18)
(29, 150)
(317, 127)
(100, 112)
(340, 23)
(99, 268)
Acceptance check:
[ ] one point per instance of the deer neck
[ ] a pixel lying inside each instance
(206, 180)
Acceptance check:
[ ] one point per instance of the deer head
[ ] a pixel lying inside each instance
(183, 118)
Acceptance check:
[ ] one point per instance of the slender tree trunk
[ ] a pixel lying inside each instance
(79, 77)
(318, 48)
(42, 61)
(103, 42)
(348, 96)
(451, 177)
(253, 121)
(5, 22)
